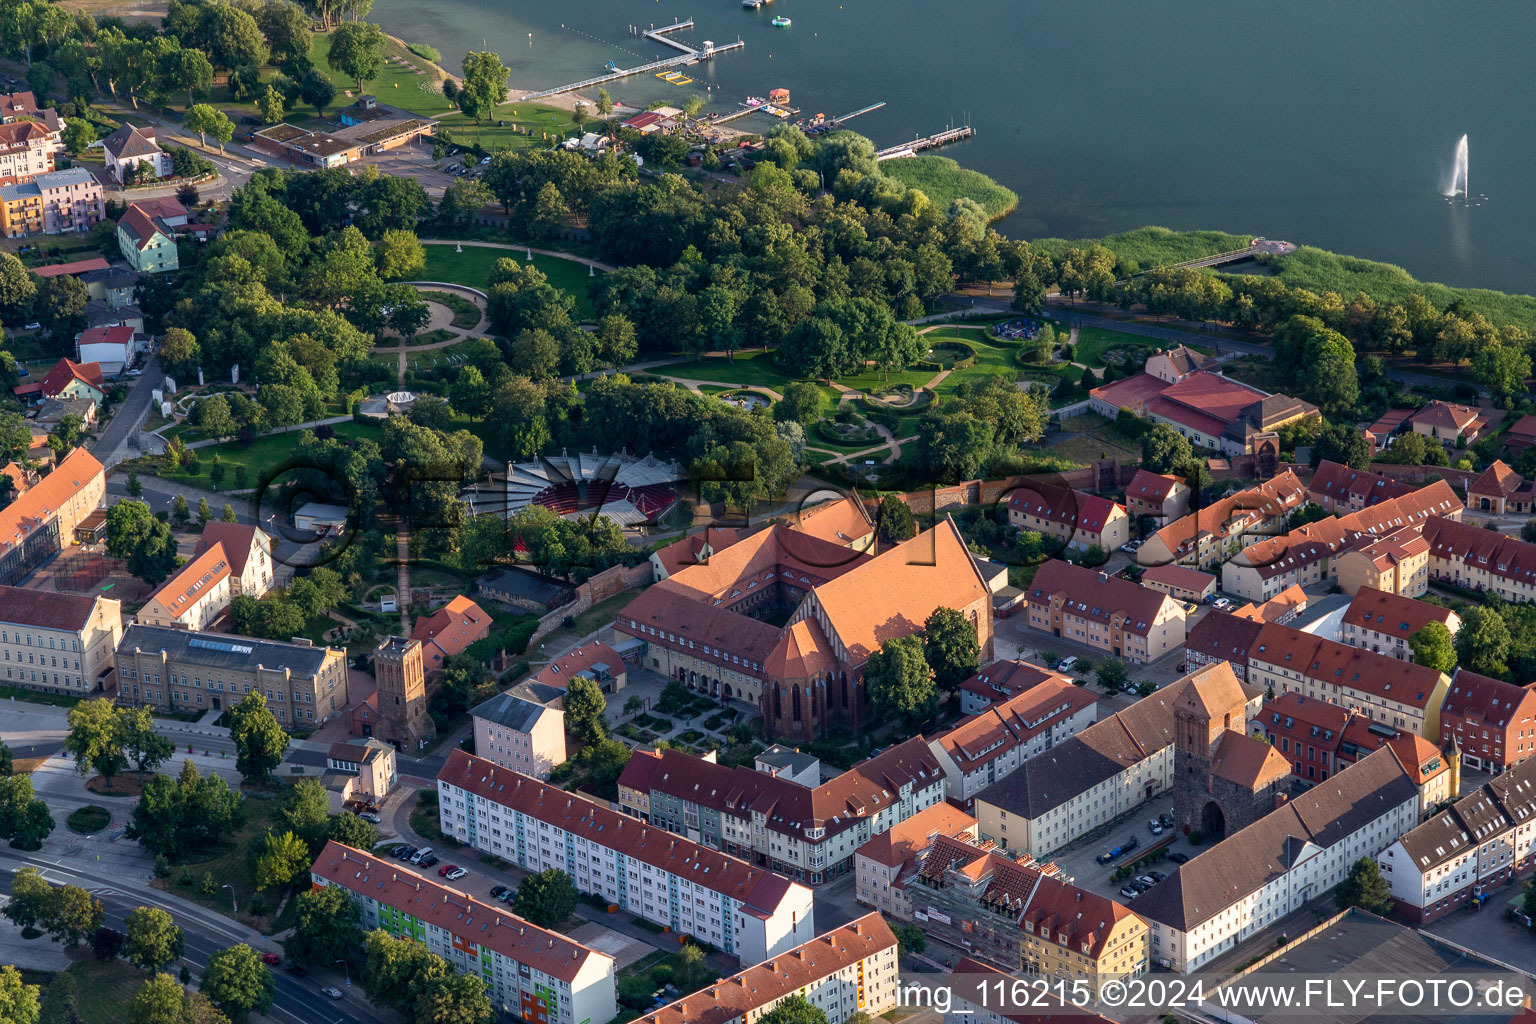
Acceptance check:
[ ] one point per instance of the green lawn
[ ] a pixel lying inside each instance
(1093, 342)
(263, 454)
(472, 268)
(105, 988)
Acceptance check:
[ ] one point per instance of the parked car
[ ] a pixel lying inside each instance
(409, 853)
(1178, 857)
(421, 855)
(297, 970)
(34, 326)
(399, 852)
(1166, 819)
(1065, 664)
(135, 372)
(332, 991)
(1147, 879)
(1518, 915)
(508, 896)
(1128, 892)
(1155, 827)
(1139, 885)
(1222, 604)
(1156, 876)
(445, 869)
(454, 874)
(498, 891)
(370, 816)
(486, 162)
(428, 860)
(271, 959)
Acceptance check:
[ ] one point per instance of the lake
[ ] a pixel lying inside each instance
(1317, 122)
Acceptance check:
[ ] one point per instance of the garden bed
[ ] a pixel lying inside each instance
(465, 313)
(436, 337)
(89, 819)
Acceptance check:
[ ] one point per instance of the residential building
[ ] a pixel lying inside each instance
(41, 522)
(704, 625)
(1076, 518)
(1482, 560)
(52, 203)
(991, 744)
(1282, 608)
(1520, 435)
(1490, 721)
(1481, 843)
(1223, 637)
(1088, 780)
(1174, 364)
(847, 971)
(58, 643)
(841, 521)
(808, 830)
(1023, 916)
(449, 631)
(1212, 411)
(519, 734)
(27, 150)
(1400, 694)
(1500, 490)
(129, 147)
(881, 865)
(529, 972)
(595, 661)
(147, 242)
(1159, 495)
(1338, 488)
(53, 410)
(1397, 563)
(1180, 583)
(368, 768)
(65, 379)
(187, 671)
(249, 550)
(746, 911)
(1108, 613)
(1211, 534)
(998, 682)
(195, 596)
(1380, 434)
(402, 694)
(1448, 423)
(111, 348)
(1382, 622)
(1260, 874)
(691, 550)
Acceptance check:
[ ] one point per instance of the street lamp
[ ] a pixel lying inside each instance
(233, 902)
(348, 968)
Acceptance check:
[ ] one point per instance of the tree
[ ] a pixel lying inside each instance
(1502, 369)
(230, 36)
(143, 746)
(584, 707)
(206, 120)
(316, 90)
(260, 741)
(270, 106)
(1365, 888)
(455, 999)
(1433, 647)
(95, 738)
(604, 103)
(547, 898)
(179, 509)
(237, 982)
(950, 647)
(306, 811)
(1112, 675)
(153, 941)
(160, 1000)
(794, 1010)
(18, 1000)
(1482, 642)
(802, 403)
(31, 901)
(398, 254)
(895, 520)
(16, 288)
(78, 135)
(24, 819)
(327, 924)
(357, 51)
(910, 938)
(281, 859)
(1341, 443)
(1164, 449)
(187, 69)
(485, 85)
(74, 915)
(1528, 531)
(186, 813)
(7, 765)
(899, 680)
(691, 969)
(616, 341)
(399, 971)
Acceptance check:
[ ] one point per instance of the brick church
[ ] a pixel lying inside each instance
(786, 620)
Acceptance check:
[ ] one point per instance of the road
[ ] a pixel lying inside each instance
(298, 1000)
(125, 422)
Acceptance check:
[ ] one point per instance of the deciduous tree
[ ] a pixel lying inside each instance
(357, 51)
(584, 707)
(547, 898)
(485, 85)
(153, 942)
(160, 1000)
(18, 1000)
(95, 738)
(237, 982)
(950, 647)
(1365, 888)
(899, 681)
(259, 739)
(327, 925)
(1433, 647)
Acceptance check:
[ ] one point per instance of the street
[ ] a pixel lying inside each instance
(125, 422)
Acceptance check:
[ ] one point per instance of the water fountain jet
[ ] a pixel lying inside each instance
(1459, 185)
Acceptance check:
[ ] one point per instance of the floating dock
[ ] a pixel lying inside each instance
(689, 55)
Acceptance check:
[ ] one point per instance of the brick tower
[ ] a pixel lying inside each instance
(398, 669)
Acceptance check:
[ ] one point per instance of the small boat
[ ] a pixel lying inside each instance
(754, 101)
(752, 4)
(781, 22)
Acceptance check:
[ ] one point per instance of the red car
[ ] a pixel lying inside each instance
(271, 958)
(442, 872)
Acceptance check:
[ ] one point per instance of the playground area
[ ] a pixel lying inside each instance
(90, 570)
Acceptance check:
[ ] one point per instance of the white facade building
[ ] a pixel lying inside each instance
(746, 911)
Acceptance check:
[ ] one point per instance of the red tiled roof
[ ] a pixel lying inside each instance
(1489, 701)
(1336, 664)
(1213, 394)
(142, 226)
(1223, 637)
(193, 581)
(453, 627)
(1179, 576)
(1498, 479)
(841, 522)
(1392, 614)
(77, 267)
(736, 997)
(1149, 486)
(23, 606)
(118, 334)
(1523, 431)
(1094, 595)
(1077, 509)
(1132, 393)
(1498, 554)
(455, 912)
(43, 499)
(906, 839)
(1249, 762)
(562, 670)
(1447, 415)
(986, 736)
(1003, 679)
(755, 888)
(238, 540)
(1186, 415)
(66, 370)
(685, 552)
(1337, 482)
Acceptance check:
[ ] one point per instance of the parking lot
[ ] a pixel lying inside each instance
(1079, 862)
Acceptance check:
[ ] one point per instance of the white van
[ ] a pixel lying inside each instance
(421, 855)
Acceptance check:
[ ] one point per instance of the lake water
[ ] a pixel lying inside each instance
(1325, 123)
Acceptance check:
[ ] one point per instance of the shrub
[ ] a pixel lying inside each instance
(425, 52)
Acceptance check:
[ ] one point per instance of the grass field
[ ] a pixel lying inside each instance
(472, 268)
(943, 181)
(264, 454)
(104, 989)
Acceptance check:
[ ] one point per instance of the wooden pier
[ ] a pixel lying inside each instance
(688, 56)
(933, 141)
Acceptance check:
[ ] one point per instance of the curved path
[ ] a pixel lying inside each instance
(557, 254)
(402, 351)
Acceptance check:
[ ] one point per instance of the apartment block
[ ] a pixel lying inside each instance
(1109, 613)
(529, 972)
(881, 865)
(41, 522)
(1477, 559)
(748, 912)
(58, 643)
(1382, 622)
